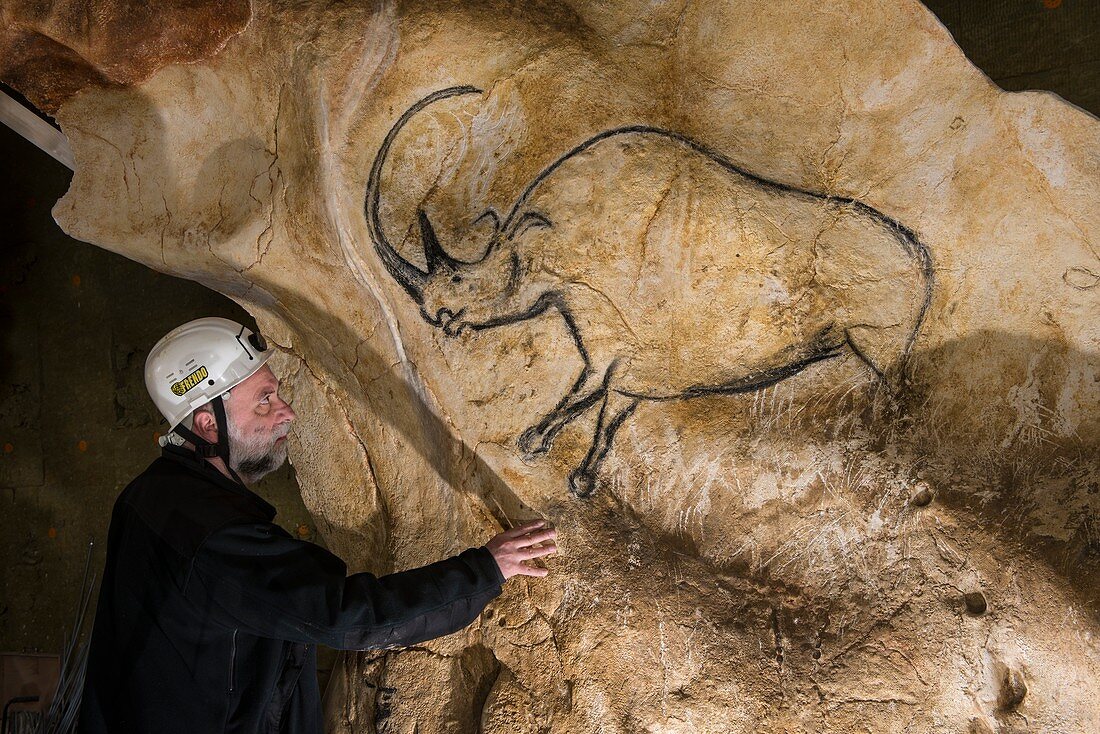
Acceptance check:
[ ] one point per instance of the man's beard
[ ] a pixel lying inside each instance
(254, 457)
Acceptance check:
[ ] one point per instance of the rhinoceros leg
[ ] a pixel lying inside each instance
(586, 392)
(616, 408)
(858, 349)
(589, 387)
(882, 349)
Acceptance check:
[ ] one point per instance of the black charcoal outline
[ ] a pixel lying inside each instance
(587, 391)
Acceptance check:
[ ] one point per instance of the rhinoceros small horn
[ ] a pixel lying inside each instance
(434, 254)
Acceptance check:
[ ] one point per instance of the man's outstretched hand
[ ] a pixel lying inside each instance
(512, 547)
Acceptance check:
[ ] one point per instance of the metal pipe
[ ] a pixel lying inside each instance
(35, 129)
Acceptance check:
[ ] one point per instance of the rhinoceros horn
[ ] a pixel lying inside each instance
(410, 277)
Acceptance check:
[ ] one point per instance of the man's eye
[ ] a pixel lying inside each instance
(456, 278)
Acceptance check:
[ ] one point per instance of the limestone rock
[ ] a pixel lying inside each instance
(783, 313)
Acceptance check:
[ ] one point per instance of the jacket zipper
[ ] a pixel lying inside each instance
(233, 661)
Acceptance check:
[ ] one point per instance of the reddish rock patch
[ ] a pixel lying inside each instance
(49, 53)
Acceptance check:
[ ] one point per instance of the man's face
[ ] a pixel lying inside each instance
(258, 423)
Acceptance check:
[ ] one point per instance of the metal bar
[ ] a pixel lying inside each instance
(36, 130)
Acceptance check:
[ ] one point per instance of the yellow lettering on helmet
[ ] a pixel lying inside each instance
(181, 387)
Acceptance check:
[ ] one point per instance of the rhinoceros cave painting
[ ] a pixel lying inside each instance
(803, 306)
(655, 196)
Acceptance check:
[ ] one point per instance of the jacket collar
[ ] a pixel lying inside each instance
(192, 462)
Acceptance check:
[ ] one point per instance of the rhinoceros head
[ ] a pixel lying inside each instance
(457, 295)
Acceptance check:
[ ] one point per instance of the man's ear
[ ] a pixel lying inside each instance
(205, 425)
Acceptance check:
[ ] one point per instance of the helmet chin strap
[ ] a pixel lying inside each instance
(205, 449)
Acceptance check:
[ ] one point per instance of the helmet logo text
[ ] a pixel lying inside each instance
(181, 387)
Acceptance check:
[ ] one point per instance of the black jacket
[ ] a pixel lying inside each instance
(209, 614)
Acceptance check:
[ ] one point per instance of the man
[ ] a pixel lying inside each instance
(209, 614)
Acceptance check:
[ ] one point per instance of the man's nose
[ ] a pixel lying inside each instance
(286, 413)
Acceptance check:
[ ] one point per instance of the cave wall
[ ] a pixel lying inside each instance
(837, 292)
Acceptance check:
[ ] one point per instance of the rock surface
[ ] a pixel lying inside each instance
(786, 316)
(54, 50)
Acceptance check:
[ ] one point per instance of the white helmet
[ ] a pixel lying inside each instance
(200, 361)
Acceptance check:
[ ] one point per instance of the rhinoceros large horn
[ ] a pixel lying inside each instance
(410, 277)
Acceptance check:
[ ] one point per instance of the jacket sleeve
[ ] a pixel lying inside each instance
(256, 577)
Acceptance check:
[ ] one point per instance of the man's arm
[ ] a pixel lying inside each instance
(259, 578)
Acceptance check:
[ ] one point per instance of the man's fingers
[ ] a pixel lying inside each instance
(530, 553)
(534, 538)
(525, 542)
(523, 529)
(514, 545)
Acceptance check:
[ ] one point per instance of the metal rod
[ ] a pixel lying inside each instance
(36, 130)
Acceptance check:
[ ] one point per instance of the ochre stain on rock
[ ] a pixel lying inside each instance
(51, 51)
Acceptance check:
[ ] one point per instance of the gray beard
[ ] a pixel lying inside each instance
(254, 457)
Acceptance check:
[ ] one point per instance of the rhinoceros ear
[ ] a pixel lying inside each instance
(435, 256)
(488, 214)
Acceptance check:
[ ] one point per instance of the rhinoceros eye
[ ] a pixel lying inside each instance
(456, 278)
